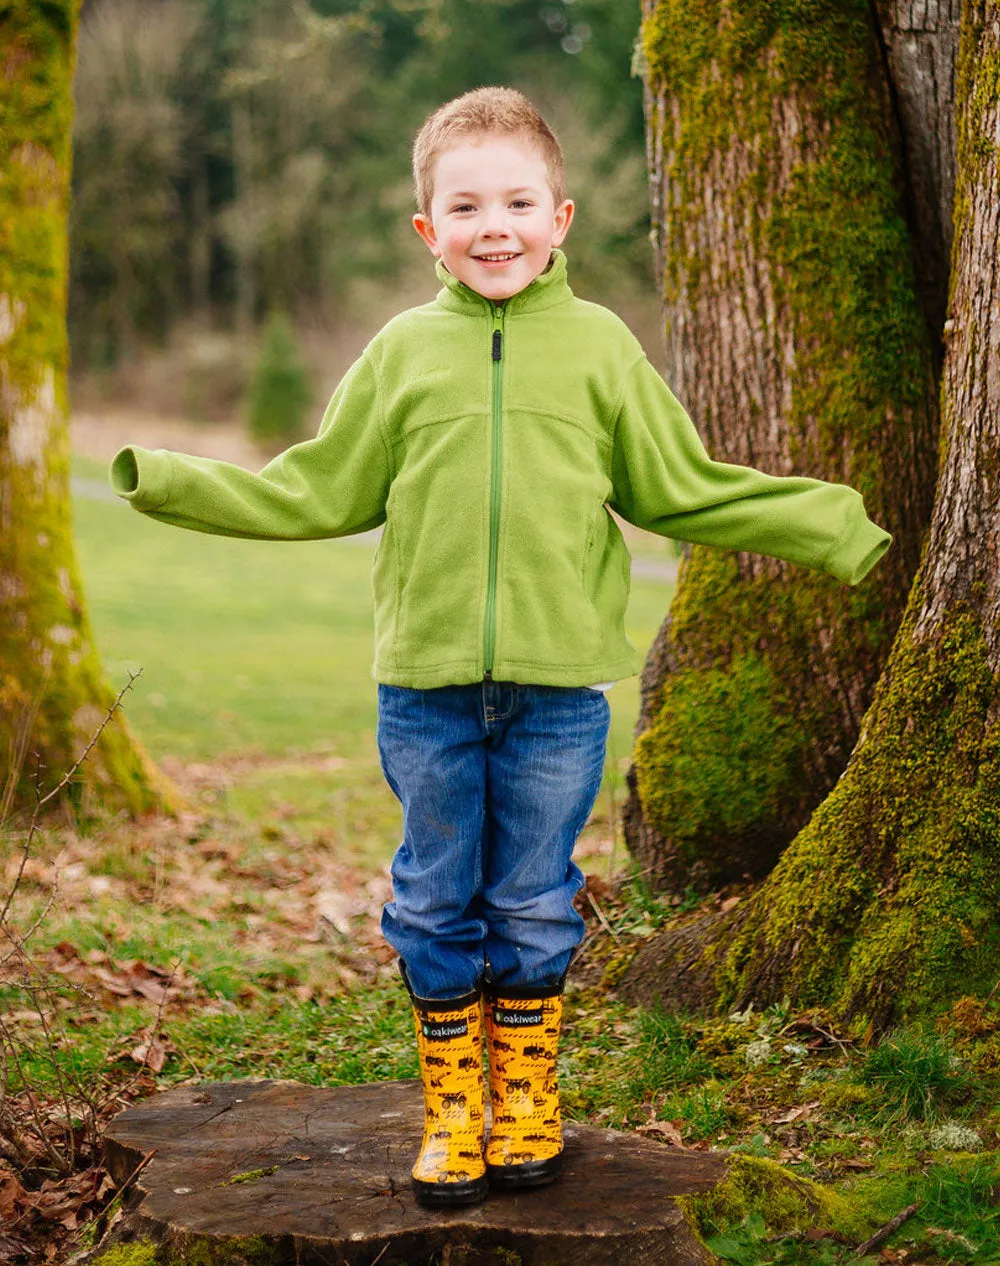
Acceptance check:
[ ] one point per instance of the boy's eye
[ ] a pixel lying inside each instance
(464, 206)
(521, 202)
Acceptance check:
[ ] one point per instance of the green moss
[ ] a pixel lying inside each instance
(977, 89)
(251, 1175)
(885, 905)
(722, 756)
(846, 1097)
(243, 1250)
(138, 1253)
(786, 1201)
(194, 1250)
(792, 648)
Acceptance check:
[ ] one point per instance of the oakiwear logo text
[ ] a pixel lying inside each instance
(516, 1019)
(442, 1032)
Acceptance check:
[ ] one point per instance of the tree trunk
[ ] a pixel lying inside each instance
(797, 341)
(52, 695)
(281, 1172)
(920, 43)
(888, 903)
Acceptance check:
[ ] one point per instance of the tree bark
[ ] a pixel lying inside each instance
(797, 341)
(920, 43)
(52, 695)
(887, 905)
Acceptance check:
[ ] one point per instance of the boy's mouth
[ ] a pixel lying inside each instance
(499, 257)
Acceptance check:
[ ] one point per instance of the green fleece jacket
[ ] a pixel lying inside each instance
(492, 441)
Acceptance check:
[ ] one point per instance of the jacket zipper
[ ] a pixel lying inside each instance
(489, 636)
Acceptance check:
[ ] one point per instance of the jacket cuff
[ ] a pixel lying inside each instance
(857, 551)
(142, 477)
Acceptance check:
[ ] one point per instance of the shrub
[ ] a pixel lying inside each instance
(280, 394)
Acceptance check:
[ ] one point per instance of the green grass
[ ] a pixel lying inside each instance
(916, 1074)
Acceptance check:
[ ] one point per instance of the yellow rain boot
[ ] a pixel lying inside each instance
(450, 1169)
(522, 1038)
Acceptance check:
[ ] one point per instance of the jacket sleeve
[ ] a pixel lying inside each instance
(332, 485)
(664, 481)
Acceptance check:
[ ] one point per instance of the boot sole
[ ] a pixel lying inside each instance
(450, 1195)
(521, 1177)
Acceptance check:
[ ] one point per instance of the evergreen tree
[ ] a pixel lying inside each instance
(280, 396)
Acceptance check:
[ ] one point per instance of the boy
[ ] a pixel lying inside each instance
(490, 431)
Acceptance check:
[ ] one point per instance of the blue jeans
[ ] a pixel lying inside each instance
(496, 781)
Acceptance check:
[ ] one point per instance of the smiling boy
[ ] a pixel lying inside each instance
(492, 432)
(493, 215)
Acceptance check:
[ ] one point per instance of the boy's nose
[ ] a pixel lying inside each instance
(495, 224)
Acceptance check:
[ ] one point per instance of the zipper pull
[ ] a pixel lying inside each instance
(497, 345)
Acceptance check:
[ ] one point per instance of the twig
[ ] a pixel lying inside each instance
(55, 1044)
(138, 1169)
(817, 1029)
(600, 914)
(119, 1196)
(884, 1232)
(132, 678)
(39, 1126)
(43, 800)
(19, 944)
(989, 996)
(25, 853)
(69, 1087)
(155, 1030)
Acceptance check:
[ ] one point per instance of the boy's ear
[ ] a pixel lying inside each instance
(563, 219)
(425, 227)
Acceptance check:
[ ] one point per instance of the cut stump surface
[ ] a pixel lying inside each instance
(321, 1175)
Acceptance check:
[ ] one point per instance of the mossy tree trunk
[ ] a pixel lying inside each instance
(798, 340)
(52, 694)
(888, 903)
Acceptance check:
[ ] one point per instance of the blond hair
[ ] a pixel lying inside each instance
(484, 112)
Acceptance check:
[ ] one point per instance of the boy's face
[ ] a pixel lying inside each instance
(492, 217)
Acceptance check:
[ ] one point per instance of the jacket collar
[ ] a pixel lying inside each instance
(548, 289)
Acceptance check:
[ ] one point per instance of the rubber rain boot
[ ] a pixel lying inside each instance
(524, 1148)
(450, 1170)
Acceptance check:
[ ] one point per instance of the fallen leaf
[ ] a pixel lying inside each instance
(337, 909)
(666, 1130)
(802, 1113)
(12, 1248)
(11, 1192)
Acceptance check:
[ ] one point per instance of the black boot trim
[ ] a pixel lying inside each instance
(519, 1177)
(521, 993)
(450, 1194)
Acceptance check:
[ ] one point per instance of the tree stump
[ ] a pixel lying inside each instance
(279, 1172)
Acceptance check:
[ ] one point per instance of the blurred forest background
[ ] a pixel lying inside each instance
(242, 196)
